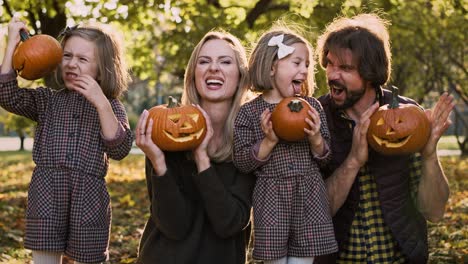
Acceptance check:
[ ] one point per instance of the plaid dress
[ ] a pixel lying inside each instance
(291, 210)
(68, 204)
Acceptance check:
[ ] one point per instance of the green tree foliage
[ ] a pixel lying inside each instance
(429, 46)
(44, 17)
(428, 36)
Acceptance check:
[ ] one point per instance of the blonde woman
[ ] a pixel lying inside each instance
(200, 203)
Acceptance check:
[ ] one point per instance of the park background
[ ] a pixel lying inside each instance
(429, 56)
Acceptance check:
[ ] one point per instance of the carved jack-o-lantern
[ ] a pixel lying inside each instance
(288, 118)
(177, 128)
(398, 129)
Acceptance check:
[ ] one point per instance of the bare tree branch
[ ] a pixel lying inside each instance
(6, 4)
(263, 7)
(258, 9)
(32, 20)
(458, 64)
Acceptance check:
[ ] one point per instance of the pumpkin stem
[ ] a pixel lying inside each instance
(23, 35)
(172, 102)
(395, 102)
(295, 106)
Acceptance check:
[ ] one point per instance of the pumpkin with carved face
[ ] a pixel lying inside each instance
(288, 118)
(176, 127)
(398, 129)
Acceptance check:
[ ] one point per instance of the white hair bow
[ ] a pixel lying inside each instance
(283, 50)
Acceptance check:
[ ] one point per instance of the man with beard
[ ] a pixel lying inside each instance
(380, 203)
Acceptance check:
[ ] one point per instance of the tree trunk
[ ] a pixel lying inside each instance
(22, 143)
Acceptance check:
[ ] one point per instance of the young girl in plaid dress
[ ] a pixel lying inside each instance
(292, 223)
(79, 127)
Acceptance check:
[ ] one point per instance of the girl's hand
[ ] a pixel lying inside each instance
(145, 143)
(267, 127)
(313, 134)
(90, 89)
(14, 28)
(201, 152)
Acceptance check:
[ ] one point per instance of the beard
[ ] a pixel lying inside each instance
(351, 98)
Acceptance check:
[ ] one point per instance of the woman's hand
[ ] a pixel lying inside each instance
(201, 152)
(145, 143)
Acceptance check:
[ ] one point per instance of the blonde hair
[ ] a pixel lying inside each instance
(191, 96)
(113, 75)
(263, 57)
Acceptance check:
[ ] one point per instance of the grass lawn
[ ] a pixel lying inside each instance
(449, 142)
(448, 239)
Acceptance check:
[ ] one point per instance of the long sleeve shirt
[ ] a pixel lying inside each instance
(196, 217)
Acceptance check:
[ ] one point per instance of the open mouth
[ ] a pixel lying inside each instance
(297, 86)
(336, 88)
(214, 82)
(337, 91)
(70, 75)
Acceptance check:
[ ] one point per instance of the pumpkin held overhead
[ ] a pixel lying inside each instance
(36, 56)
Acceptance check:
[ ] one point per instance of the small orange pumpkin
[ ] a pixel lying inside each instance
(176, 127)
(36, 56)
(398, 129)
(288, 118)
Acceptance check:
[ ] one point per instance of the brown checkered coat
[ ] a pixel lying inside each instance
(68, 203)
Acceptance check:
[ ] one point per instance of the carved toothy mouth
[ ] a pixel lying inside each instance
(184, 137)
(391, 143)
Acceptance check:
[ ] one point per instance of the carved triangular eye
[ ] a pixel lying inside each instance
(380, 122)
(174, 118)
(194, 116)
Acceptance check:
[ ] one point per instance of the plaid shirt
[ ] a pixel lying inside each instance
(291, 210)
(370, 239)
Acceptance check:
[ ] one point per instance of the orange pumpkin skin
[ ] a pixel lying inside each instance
(177, 128)
(288, 118)
(398, 131)
(37, 56)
